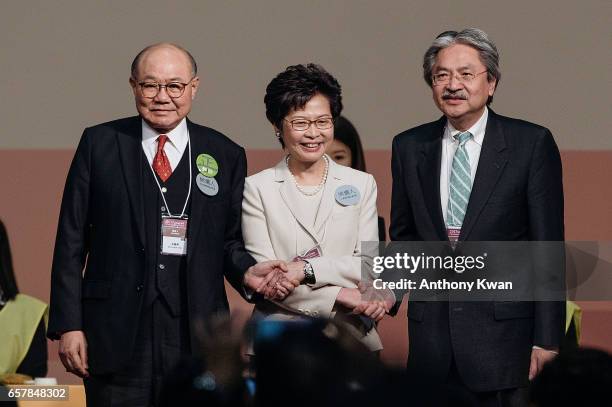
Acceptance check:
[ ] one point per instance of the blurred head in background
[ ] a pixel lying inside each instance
(346, 148)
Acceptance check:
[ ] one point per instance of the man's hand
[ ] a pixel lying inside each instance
(269, 278)
(372, 309)
(352, 298)
(538, 358)
(369, 293)
(73, 353)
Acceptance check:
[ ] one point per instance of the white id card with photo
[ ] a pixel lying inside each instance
(174, 236)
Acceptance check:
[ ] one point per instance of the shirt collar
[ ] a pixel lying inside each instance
(477, 130)
(177, 136)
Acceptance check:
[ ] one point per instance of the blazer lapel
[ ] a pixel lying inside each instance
(334, 180)
(490, 167)
(428, 169)
(291, 197)
(130, 153)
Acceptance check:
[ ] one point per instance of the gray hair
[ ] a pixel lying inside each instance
(472, 37)
(136, 61)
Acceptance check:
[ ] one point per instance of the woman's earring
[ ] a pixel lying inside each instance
(278, 135)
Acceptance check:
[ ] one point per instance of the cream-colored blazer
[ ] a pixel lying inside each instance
(270, 223)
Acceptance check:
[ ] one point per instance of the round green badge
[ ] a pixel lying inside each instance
(207, 165)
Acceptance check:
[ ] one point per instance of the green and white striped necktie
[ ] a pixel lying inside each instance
(460, 183)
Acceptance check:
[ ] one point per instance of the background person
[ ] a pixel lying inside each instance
(310, 211)
(23, 322)
(346, 149)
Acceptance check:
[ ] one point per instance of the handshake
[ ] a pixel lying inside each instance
(276, 279)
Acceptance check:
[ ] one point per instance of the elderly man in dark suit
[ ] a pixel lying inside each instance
(474, 175)
(149, 227)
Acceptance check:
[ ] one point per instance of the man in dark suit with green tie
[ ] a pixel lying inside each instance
(474, 175)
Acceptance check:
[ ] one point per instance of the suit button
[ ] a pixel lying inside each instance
(139, 288)
(307, 312)
(161, 267)
(315, 313)
(163, 209)
(300, 310)
(164, 190)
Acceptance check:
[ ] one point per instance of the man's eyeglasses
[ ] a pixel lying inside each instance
(173, 89)
(322, 123)
(443, 78)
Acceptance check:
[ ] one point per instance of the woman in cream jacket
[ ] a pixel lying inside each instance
(310, 211)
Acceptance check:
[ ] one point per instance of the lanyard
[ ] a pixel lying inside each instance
(190, 179)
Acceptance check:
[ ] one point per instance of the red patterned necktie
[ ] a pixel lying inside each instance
(161, 165)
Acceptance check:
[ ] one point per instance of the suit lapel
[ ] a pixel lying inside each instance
(130, 153)
(199, 144)
(290, 196)
(429, 176)
(490, 167)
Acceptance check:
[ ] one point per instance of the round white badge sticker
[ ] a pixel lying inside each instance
(207, 185)
(347, 195)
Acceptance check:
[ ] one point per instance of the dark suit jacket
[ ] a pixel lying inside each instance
(517, 194)
(99, 277)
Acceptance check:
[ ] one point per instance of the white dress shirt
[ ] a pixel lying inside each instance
(450, 145)
(174, 147)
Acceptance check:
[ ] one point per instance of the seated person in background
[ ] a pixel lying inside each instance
(310, 211)
(346, 149)
(23, 321)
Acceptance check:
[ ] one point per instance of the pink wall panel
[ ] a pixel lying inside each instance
(31, 185)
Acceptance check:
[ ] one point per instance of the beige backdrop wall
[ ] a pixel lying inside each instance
(65, 64)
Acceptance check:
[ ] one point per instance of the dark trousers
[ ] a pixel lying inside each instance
(516, 397)
(161, 341)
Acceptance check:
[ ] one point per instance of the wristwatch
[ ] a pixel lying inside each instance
(309, 276)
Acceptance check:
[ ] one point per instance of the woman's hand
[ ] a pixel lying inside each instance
(372, 309)
(295, 271)
(351, 298)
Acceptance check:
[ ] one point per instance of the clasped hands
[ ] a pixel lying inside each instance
(366, 301)
(274, 279)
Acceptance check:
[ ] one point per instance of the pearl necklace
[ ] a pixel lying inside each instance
(321, 184)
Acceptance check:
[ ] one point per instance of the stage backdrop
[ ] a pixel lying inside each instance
(65, 65)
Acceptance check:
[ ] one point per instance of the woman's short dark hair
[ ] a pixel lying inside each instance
(345, 132)
(8, 285)
(295, 86)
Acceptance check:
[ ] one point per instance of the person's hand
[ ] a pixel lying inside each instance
(269, 278)
(369, 293)
(73, 353)
(372, 309)
(352, 298)
(538, 358)
(279, 286)
(295, 271)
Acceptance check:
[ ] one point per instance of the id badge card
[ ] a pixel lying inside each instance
(309, 254)
(174, 236)
(453, 233)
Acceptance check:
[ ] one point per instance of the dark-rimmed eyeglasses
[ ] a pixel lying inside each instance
(150, 89)
(443, 78)
(322, 123)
